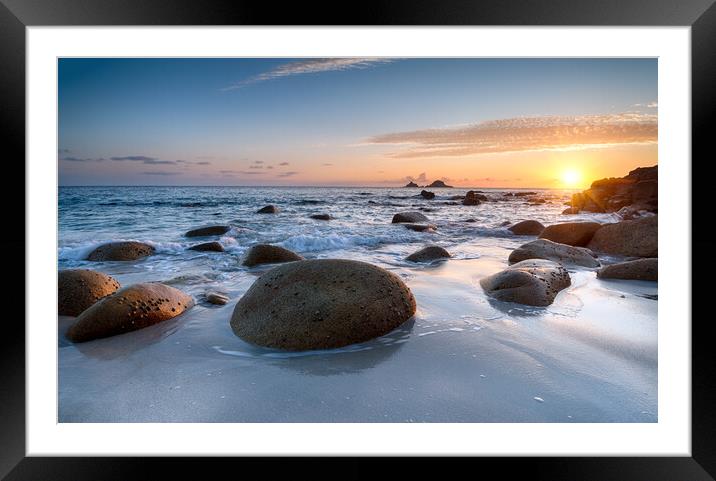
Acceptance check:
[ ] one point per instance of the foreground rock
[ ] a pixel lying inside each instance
(216, 298)
(207, 247)
(421, 227)
(473, 198)
(269, 209)
(322, 304)
(639, 189)
(121, 251)
(321, 217)
(640, 269)
(532, 282)
(562, 253)
(527, 227)
(428, 254)
(268, 254)
(129, 309)
(78, 289)
(208, 231)
(634, 238)
(439, 183)
(571, 233)
(426, 194)
(412, 217)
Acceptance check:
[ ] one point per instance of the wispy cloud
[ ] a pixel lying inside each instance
(650, 105)
(134, 158)
(310, 66)
(525, 134)
(161, 172)
(81, 159)
(288, 174)
(283, 163)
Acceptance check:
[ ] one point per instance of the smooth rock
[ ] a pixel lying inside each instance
(322, 304)
(412, 217)
(562, 253)
(527, 227)
(427, 254)
(216, 298)
(208, 246)
(131, 308)
(634, 238)
(208, 231)
(532, 282)
(269, 209)
(421, 227)
(321, 217)
(427, 194)
(640, 269)
(78, 289)
(571, 233)
(121, 251)
(268, 254)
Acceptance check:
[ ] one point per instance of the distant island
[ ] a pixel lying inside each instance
(437, 183)
(412, 184)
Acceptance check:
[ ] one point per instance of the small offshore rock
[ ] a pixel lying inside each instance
(427, 254)
(208, 231)
(427, 194)
(121, 251)
(268, 254)
(321, 217)
(421, 227)
(269, 209)
(411, 217)
(208, 247)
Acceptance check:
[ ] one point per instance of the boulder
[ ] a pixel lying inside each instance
(208, 231)
(131, 308)
(473, 198)
(634, 238)
(421, 227)
(207, 246)
(533, 282)
(571, 233)
(439, 183)
(321, 304)
(121, 251)
(427, 254)
(411, 217)
(527, 227)
(321, 217)
(562, 253)
(269, 209)
(78, 289)
(425, 194)
(216, 298)
(569, 210)
(268, 254)
(640, 269)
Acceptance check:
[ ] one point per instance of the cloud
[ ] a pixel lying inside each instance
(269, 167)
(288, 174)
(327, 165)
(310, 66)
(256, 166)
(283, 163)
(258, 161)
(63, 151)
(79, 159)
(161, 172)
(650, 105)
(134, 158)
(203, 162)
(421, 178)
(525, 134)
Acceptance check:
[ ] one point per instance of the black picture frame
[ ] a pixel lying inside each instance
(16, 15)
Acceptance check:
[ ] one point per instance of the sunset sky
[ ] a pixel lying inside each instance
(355, 121)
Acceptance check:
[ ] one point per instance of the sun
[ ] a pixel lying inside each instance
(571, 178)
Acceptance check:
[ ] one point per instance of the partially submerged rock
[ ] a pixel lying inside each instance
(571, 233)
(640, 269)
(321, 304)
(78, 289)
(268, 254)
(121, 251)
(208, 231)
(131, 308)
(208, 247)
(269, 209)
(412, 217)
(527, 227)
(634, 238)
(321, 217)
(562, 253)
(473, 198)
(216, 298)
(533, 282)
(427, 254)
(421, 227)
(425, 194)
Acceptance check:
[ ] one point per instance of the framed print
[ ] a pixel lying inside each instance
(424, 232)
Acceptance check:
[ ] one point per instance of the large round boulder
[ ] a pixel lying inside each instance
(269, 209)
(78, 289)
(321, 304)
(562, 253)
(268, 254)
(131, 308)
(636, 238)
(640, 270)
(527, 227)
(571, 233)
(208, 247)
(533, 282)
(428, 254)
(412, 217)
(208, 231)
(121, 251)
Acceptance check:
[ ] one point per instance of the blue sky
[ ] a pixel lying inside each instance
(347, 121)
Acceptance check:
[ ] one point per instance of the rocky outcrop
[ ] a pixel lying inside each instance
(208, 247)
(634, 238)
(562, 253)
(473, 198)
(571, 233)
(527, 227)
(269, 209)
(411, 217)
(121, 251)
(438, 184)
(426, 194)
(640, 269)
(129, 309)
(78, 289)
(321, 217)
(321, 304)
(533, 282)
(268, 254)
(421, 227)
(639, 189)
(428, 254)
(208, 231)
(411, 184)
